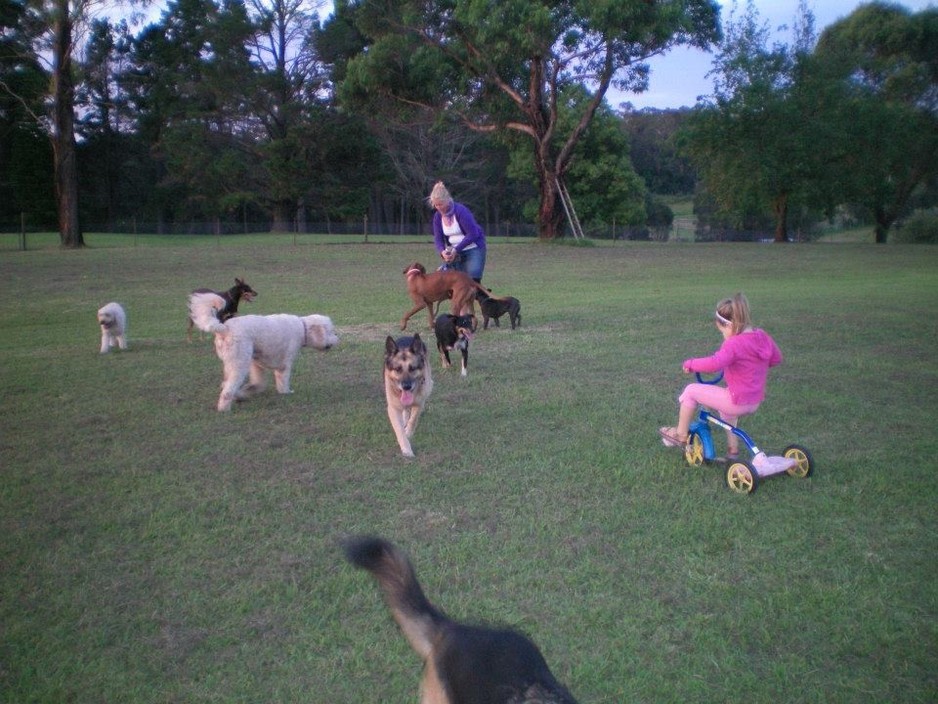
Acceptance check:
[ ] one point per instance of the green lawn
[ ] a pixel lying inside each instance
(155, 550)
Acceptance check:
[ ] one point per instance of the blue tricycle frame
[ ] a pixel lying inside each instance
(742, 476)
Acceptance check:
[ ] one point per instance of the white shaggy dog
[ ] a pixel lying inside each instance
(113, 322)
(249, 344)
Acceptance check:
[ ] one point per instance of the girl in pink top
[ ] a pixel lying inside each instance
(744, 358)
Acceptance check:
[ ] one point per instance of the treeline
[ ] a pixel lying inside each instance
(233, 115)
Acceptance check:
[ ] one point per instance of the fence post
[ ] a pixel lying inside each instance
(365, 225)
(22, 231)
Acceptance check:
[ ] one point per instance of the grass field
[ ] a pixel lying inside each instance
(155, 550)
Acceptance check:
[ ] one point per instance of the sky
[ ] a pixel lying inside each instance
(680, 76)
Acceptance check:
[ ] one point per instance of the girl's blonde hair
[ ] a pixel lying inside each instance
(440, 195)
(734, 311)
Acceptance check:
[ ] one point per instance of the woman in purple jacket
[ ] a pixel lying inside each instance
(744, 358)
(458, 237)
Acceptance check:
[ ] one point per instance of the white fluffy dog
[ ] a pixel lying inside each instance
(113, 321)
(249, 344)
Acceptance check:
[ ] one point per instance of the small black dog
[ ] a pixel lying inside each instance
(232, 298)
(453, 332)
(495, 308)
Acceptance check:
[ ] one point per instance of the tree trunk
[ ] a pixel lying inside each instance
(781, 218)
(884, 221)
(549, 214)
(63, 139)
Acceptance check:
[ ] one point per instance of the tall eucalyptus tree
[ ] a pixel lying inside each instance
(505, 66)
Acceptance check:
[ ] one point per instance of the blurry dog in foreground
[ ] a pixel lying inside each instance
(407, 386)
(232, 298)
(113, 322)
(453, 332)
(462, 664)
(249, 344)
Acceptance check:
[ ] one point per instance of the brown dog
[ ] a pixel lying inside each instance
(462, 663)
(426, 289)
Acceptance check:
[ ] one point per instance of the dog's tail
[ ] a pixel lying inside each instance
(418, 618)
(203, 311)
(486, 292)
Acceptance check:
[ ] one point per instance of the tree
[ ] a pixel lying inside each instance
(653, 145)
(50, 25)
(603, 186)
(505, 66)
(288, 85)
(191, 76)
(25, 151)
(754, 142)
(883, 60)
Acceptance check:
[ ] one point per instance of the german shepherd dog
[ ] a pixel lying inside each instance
(426, 289)
(453, 332)
(495, 308)
(232, 298)
(407, 386)
(463, 664)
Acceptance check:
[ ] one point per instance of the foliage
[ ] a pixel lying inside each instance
(884, 60)
(754, 141)
(799, 130)
(26, 185)
(920, 228)
(653, 146)
(508, 66)
(602, 184)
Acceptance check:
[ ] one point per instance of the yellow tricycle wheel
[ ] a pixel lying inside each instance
(694, 450)
(805, 464)
(741, 477)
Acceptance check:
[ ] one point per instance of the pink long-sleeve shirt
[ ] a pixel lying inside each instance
(745, 360)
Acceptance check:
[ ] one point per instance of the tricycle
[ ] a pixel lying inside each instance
(742, 476)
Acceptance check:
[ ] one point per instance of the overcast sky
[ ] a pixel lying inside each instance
(680, 76)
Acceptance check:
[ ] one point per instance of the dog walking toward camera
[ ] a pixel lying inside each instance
(113, 321)
(453, 332)
(232, 298)
(247, 345)
(407, 386)
(463, 664)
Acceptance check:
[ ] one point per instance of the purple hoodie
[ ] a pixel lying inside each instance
(467, 223)
(745, 360)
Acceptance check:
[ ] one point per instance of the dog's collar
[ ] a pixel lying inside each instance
(413, 272)
(305, 333)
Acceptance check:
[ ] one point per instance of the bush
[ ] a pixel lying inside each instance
(920, 228)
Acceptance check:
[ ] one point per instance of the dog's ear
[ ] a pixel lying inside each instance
(390, 346)
(417, 345)
(238, 282)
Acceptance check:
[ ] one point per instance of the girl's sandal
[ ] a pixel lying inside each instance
(670, 438)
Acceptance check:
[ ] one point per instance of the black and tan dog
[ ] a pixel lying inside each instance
(232, 298)
(453, 332)
(407, 386)
(495, 308)
(462, 664)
